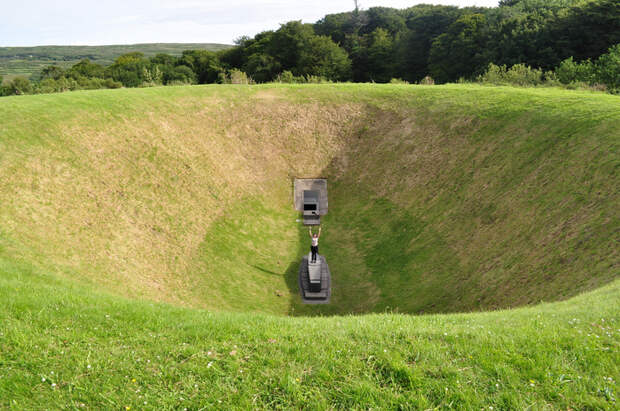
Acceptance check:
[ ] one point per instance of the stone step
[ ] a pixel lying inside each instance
(320, 294)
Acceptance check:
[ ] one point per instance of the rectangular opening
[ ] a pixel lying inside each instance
(310, 191)
(309, 207)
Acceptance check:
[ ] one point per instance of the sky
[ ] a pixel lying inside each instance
(87, 22)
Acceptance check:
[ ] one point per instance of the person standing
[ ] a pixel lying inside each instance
(314, 246)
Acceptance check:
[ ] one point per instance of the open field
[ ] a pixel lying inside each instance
(26, 61)
(149, 249)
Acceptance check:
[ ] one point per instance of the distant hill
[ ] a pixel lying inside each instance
(26, 61)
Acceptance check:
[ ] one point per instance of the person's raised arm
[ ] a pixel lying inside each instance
(310, 231)
(319, 232)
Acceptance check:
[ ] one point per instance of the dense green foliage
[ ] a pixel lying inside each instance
(602, 73)
(445, 42)
(424, 43)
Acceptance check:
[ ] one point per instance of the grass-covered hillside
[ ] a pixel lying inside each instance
(451, 198)
(148, 237)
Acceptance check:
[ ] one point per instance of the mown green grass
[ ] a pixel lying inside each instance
(451, 198)
(65, 346)
(149, 248)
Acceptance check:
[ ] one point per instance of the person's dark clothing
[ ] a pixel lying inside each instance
(315, 250)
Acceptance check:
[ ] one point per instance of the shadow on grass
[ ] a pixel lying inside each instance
(267, 271)
(292, 272)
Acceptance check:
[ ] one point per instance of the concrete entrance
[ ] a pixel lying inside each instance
(317, 187)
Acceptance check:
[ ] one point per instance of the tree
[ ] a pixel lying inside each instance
(508, 3)
(412, 49)
(526, 38)
(262, 67)
(257, 61)
(233, 57)
(128, 69)
(380, 56)
(20, 85)
(287, 45)
(530, 6)
(608, 68)
(588, 30)
(163, 59)
(385, 18)
(293, 47)
(180, 74)
(52, 72)
(129, 58)
(358, 52)
(152, 76)
(205, 64)
(570, 71)
(337, 26)
(322, 57)
(86, 68)
(461, 51)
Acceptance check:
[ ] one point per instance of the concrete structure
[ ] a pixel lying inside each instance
(316, 185)
(311, 207)
(310, 198)
(314, 273)
(314, 280)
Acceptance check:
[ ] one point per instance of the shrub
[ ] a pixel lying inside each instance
(570, 71)
(19, 86)
(523, 75)
(222, 77)
(109, 83)
(427, 81)
(608, 69)
(239, 77)
(582, 85)
(494, 74)
(603, 74)
(62, 84)
(181, 75)
(551, 79)
(286, 77)
(152, 76)
(310, 79)
(519, 75)
(49, 85)
(176, 83)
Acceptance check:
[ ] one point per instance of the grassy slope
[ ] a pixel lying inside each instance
(65, 346)
(510, 198)
(443, 198)
(25, 61)
(142, 226)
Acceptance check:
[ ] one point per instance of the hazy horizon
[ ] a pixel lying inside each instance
(40, 23)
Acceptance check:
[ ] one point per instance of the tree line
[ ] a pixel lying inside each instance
(520, 41)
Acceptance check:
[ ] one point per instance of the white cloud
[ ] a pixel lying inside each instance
(38, 22)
